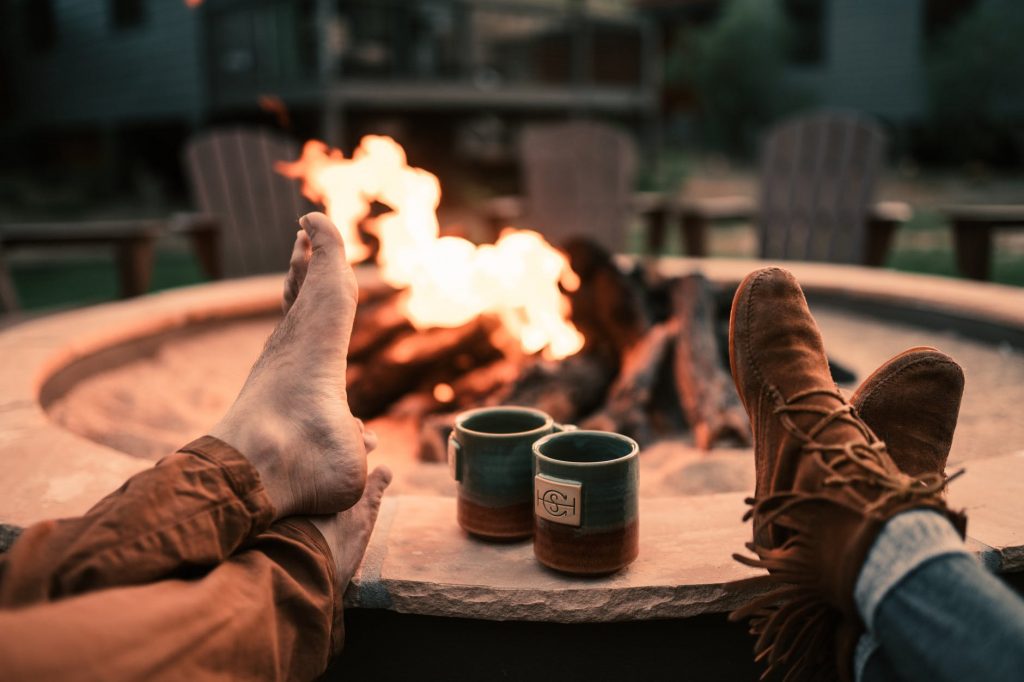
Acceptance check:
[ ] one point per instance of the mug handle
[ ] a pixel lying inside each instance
(454, 457)
(557, 500)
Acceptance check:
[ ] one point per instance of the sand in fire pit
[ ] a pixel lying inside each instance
(146, 406)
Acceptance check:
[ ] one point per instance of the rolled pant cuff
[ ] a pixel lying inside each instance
(906, 542)
(241, 475)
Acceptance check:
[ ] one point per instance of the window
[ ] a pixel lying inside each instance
(940, 15)
(806, 19)
(128, 13)
(40, 24)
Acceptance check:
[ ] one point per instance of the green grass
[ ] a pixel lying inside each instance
(927, 248)
(923, 245)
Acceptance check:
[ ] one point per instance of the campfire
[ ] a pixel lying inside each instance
(455, 325)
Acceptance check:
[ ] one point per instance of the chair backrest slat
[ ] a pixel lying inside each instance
(818, 176)
(232, 175)
(578, 179)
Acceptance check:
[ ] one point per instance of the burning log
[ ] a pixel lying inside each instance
(609, 307)
(473, 389)
(377, 322)
(706, 391)
(401, 365)
(626, 408)
(566, 390)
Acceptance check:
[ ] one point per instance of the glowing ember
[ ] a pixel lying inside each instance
(274, 105)
(444, 393)
(193, 3)
(449, 280)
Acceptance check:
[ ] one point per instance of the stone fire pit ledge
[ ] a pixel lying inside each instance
(419, 560)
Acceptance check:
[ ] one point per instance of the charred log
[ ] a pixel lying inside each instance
(437, 393)
(609, 307)
(626, 409)
(706, 391)
(566, 390)
(377, 323)
(398, 367)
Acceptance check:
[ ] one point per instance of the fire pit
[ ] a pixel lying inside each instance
(92, 396)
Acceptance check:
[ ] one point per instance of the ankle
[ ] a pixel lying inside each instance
(262, 445)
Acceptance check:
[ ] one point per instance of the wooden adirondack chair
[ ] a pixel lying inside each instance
(818, 175)
(232, 175)
(578, 180)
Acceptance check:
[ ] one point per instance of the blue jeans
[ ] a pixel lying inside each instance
(932, 611)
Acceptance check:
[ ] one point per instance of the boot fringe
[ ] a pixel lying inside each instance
(797, 634)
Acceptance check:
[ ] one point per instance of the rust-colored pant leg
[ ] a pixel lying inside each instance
(192, 510)
(268, 612)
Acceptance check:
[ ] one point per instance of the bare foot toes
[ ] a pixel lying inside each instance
(348, 533)
(298, 265)
(292, 418)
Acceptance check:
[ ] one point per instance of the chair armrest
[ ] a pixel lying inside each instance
(645, 203)
(193, 223)
(504, 209)
(890, 212)
(719, 208)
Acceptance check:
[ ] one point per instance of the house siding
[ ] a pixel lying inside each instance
(874, 60)
(97, 73)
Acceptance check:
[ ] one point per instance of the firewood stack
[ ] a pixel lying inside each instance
(654, 363)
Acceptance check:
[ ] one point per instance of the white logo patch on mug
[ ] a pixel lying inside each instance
(557, 501)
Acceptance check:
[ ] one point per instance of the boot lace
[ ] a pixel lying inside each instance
(850, 464)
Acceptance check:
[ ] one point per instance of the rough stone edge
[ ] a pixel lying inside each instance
(571, 605)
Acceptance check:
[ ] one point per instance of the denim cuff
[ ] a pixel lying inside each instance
(907, 541)
(867, 645)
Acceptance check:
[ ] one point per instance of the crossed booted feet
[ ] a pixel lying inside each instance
(825, 481)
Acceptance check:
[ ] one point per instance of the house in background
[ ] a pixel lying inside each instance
(126, 81)
(873, 56)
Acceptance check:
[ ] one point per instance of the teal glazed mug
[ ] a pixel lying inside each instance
(585, 502)
(491, 459)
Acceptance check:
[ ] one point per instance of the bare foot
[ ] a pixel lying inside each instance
(292, 418)
(348, 533)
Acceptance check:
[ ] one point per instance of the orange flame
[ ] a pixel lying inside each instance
(449, 280)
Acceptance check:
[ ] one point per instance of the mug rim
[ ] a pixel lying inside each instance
(461, 418)
(634, 450)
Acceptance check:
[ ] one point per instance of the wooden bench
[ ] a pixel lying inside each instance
(973, 226)
(132, 241)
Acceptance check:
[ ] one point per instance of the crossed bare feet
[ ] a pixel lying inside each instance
(292, 419)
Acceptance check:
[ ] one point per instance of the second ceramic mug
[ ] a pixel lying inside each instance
(490, 456)
(585, 501)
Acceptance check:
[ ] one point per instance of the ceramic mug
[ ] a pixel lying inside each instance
(491, 458)
(585, 502)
